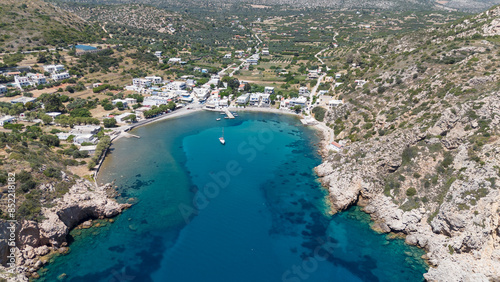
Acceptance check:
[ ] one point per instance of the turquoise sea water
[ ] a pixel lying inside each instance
(251, 210)
(85, 47)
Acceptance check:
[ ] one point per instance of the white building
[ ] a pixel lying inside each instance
(119, 118)
(158, 54)
(303, 91)
(174, 60)
(23, 100)
(37, 78)
(301, 101)
(85, 138)
(53, 115)
(85, 129)
(124, 102)
(338, 75)
(22, 81)
(154, 79)
(3, 89)
(254, 59)
(201, 93)
(63, 135)
(131, 101)
(265, 98)
(254, 98)
(186, 98)
(224, 102)
(265, 52)
(334, 146)
(176, 85)
(243, 99)
(141, 82)
(269, 90)
(53, 68)
(90, 149)
(60, 76)
(155, 101)
(6, 119)
(227, 56)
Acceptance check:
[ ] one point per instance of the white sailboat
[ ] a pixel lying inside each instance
(221, 139)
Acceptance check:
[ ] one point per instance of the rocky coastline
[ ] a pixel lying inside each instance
(458, 225)
(37, 241)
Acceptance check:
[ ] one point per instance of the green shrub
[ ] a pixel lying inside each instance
(411, 192)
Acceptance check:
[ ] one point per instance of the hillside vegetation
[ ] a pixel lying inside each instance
(35, 24)
(423, 139)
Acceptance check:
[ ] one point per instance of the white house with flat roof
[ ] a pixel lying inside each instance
(254, 98)
(269, 90)
(63, 135)
(303, 91)
(141, 82)
(174, 60)
(3, 89)
(22, 81)
(85, 129)
(23, 100)
(119, 118)
(154, 79)
(265, 98)
(90, 149)
(158, 54)
(243, 99)
(155, 101)
(253, 60)
(131, 101)
(6, 119)
(301, 101)
(60, 76)
(176, 85)
(85, 138)
(37, 78)
(201, 93)
(224, 102)
(53, 68)
(53, 114)
(124, 102)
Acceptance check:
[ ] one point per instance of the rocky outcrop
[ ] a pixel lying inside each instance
(84, 201)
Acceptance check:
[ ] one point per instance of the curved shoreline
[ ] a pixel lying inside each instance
(122, 131)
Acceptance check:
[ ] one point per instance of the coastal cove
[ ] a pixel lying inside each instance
(251, 210)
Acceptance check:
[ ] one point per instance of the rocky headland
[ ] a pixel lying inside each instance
(37, 241)
(422, 146)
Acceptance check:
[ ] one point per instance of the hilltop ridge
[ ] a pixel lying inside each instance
(37, 24)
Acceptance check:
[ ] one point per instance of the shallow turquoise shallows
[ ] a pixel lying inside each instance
(251, 210)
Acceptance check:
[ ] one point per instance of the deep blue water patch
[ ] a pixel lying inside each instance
(251, 210)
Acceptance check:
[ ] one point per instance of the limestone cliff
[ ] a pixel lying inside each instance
(83, 202)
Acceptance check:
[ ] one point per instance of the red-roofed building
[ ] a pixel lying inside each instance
(335, 146)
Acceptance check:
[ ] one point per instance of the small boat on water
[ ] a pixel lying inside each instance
(221, 139)
(222, 113)
(226, 117)
(218, 119)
